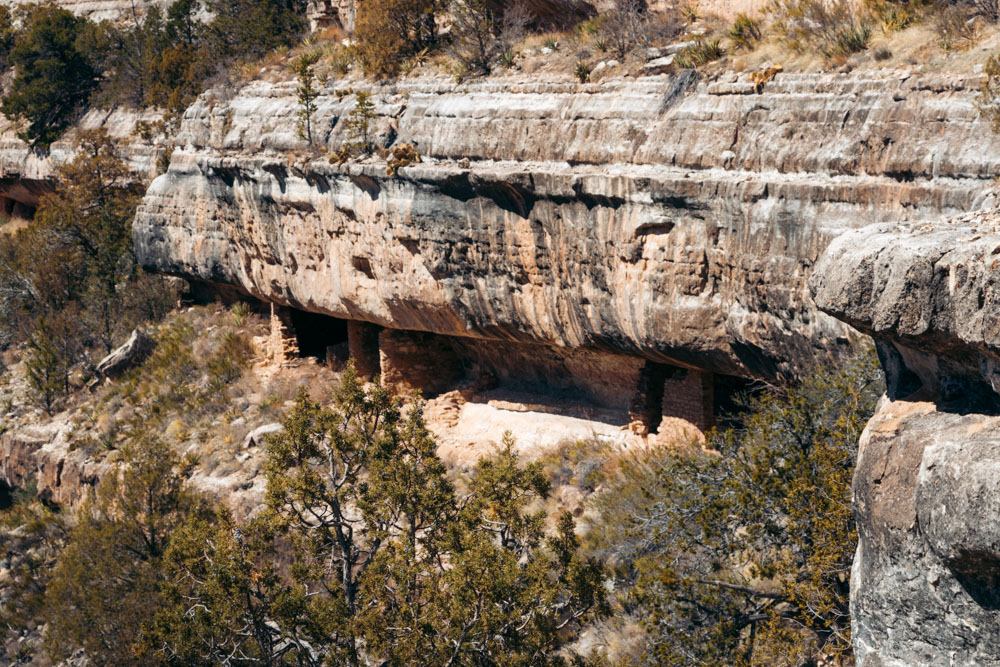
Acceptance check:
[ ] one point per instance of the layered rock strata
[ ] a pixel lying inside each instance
(667, 218)
(925, 588)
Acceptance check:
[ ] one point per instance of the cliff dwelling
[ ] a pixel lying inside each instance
(622, 391)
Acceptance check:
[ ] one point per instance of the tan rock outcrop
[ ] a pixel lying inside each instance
(42, 457)
(669, 218)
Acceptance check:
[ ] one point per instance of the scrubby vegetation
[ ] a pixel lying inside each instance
(163, 58)
(367, 549)
(739, 551)
(71, 286)
(62, 62)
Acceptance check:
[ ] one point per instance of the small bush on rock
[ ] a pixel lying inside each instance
(700, 53)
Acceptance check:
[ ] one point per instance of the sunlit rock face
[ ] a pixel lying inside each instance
(100, 10)
(671, 218)
(926, 580)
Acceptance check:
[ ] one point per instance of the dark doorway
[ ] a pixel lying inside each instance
(729, 396)
(6, 496)
(315, 333)
(651, 387)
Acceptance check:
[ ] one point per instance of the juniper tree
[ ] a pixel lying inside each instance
(360, 133)
(306, 93)
(106, 588)
(53, 77)
(389, 562)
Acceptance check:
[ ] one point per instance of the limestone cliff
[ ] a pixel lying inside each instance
(925, 587)
(668, 218)
(99, 10)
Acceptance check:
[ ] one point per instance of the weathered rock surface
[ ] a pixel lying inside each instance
(925, 586)
(926, 579)
(929, 293)
(131, 353)
(99, 10)
(43, 457)
(664, 217)
(26, 175)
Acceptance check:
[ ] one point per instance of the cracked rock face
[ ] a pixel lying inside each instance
(664, 217)
(926, 581)
(925, 586)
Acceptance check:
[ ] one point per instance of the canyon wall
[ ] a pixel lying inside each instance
(668, 218)
(925, 587)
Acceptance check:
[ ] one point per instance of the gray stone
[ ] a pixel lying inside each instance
(925, 586)
(257, 437)
(660, 65)
(132, 353)
(671, 220)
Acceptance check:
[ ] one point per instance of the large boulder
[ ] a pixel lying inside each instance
(925, 587)
(132, 353)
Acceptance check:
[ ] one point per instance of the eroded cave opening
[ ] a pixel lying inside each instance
(12, 209)
(729, 395)
(316, 334)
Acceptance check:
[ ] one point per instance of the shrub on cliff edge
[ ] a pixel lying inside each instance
(741, 554)
(54, 77)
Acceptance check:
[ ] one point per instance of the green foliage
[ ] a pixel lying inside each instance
(107, 585)
(745, 32)
(582, 72)
(741, 554)
(7, 33)
(402, 568)
(156, 61)
(248, 29)
(73, 265)
(360, 133)
(832, 28)
(91, 219)
(47, 367)
(228, 604)
(54, 77)
(31, 538)
(306, 93)
(700, 53)
(171, 380)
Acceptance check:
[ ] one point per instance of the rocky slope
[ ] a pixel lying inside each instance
(669, 218)
(926, 581)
